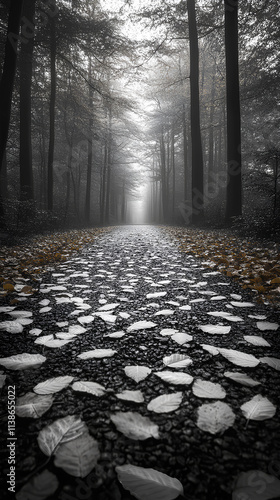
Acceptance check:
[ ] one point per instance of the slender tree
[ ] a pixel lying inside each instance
(7, 82)
(234, 181)
(53, 50)
(26, 55)
(197, 155)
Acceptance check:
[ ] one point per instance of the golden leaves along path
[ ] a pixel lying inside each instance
(139, 370)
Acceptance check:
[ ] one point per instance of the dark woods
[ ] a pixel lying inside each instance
(103, 125)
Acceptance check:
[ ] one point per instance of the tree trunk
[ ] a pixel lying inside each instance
(197, 155)
(234, 181)
(26, 55)
(109, 161)
(89, 163)
(7, 83)
(52, 114)
(185, 153)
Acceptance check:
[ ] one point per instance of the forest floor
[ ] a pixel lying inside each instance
(163, 342)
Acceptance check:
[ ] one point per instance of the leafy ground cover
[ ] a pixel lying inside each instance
(138, 373)
(27, 261)
(254, 264)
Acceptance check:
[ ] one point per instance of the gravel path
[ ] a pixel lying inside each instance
(135, 274)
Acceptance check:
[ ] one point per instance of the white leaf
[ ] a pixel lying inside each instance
(218, 297)
(116, 335)
(107, 317)
(109, 307)
(266, 325)
(215, 329)
(52, 385)
(35, 331)
(33, 406)
(239, 358)
(78, 457)
(257, 316)
(256, 340)
(97, 353)
(242, 304)
(22, 361)
(177, 361)
(43, 339)
(241, 378)
(155, 295)
(258, 408)
(168, 331)
(135, 396)
(76, 329)
(205, 389)
(256, 485)
(137, 372)
(45, 310)
(225, 315)
(181, 338)
(176, 378)
(135, 426)
(56, 342)
(273, 362)
(40, 487)
(84, 320)
(21, 314)
(211, 349)
(91, 387)
(164, 312)
(147, 484)
(215, 417)
(141, 325)
(65, 335)
(11, 326)
(165, 403)
(124, 315)
(60, 431)
(185, 308)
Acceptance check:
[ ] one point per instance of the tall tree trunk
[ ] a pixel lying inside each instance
(26, 55)
(163, 172)
(89, 163)
(197, 155)
(52, 113)
(173, 170)
(234, 181)
(109, 166)
(211, 132)
(185, 153)
(7, 83)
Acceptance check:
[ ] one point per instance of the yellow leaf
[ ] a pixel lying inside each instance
(8, 287)
(275, 280)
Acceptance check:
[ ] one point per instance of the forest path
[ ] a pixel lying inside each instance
(133, 299)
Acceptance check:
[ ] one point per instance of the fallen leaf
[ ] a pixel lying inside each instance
(176, 378)
(52, 385)
(135, 426)
(60, 431)
(137, 372)
(239, 358)
(177, 361)
(22, 361)
(33, 406)
(141, 325)
(241, 378)
(40, 487)
(205, 389)
(165, 403)
(79, 456)
(135, 396)
(97, 353)
(91, 387)
(147, 484)
(258, 408)
(215, 417)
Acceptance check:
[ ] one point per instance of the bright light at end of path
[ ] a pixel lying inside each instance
(136, 212)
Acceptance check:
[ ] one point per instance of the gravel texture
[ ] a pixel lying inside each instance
(122, 267)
